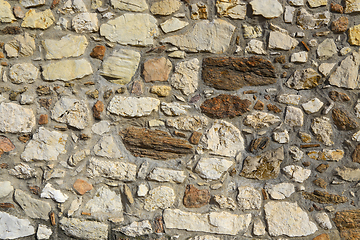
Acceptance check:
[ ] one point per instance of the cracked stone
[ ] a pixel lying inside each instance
(304, 79)
(186, 76)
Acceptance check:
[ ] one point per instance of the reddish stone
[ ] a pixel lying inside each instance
(348, 222)
(159, 225)
(2, 55)
(35, 190)
(4, 165)
(343, 120)
(334, 7)
(338, 96)
(98, 52)
(323, 236)
(98, 108)
(137, 87)
(322, 167)
(54, 4)
(82, 186)
(157, 69)
(18, 12)
(179, 134)
(5, 145)
(7, 205)
(340, 25)
(259, 105)
(225, 106)
(195, 198)
(273, 108)
(195, 138)
(43, 119)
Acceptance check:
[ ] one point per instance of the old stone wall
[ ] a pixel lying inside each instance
(170, 119)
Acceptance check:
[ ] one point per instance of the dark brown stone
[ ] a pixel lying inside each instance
(225, 106)
(179, 134)
(259, 143)
(324, 197)
(322, 167)
(356, 154)
(320, 182)
(84, 136)
(159, 225)
(4, 165)
(98, 108)
(323, 236)
(280, 59)
(334, 7)
(306, 164)
(24, 138)
(93, 93)
(7, 205)
(5, 145)
(98, 52)
(120, 90)
(2, 55)
(108, 93)
(348, 223)
(43, 119)
(259, 105)
(43, 90)
(45, 102)
(232, 73)
(305, 46)
(310, 145)
(13, 30)
(340, 25)
(195, 138)
(343, 120)
(338, 96)
(249, 92)
(195, 198)
(273, 108)
(52, 219)
(34, 190)
(156, 144)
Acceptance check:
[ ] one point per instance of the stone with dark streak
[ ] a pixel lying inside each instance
(259, 143)
(343, 120)
(348, 223)
(195, 198)
(324, 197)
(339, 96)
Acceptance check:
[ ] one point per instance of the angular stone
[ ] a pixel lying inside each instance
(116, 170)
(127, 62)
(6, 14)
(67, 46)
(42, 20)
(323, 220)
(232, 73)
(43, 232)
(281, 41)
(349, 174)
(340, 25)
(324, 197)
(157, 69)
(322, 168)
(82, 186)
(326, 49)
(297, 173)
(167, 175)
(267, 8)
(165, 7)
(264, 166)
(212, 168)
(289, 14)
(85, 22)
(5, 145)
(188, 123)
(251, 31)
(34, 208)
(154, 144)
(327, 154)
(161, 91)
(255, 47)
(133, 106)
(50, 192)
(323, 236)
(280, 191)
(286, 218)
(66, 70)
(352, 6)
(5, 188)
(142, 190)
(249, 198)
(213, 222)
(98, 52)
(225, 202)
(304, 79)
(98, 108)
(12, 227)
(107, 147)
(296, 153)
(343, 120)
(130, 5)
(322, 129)
(159, 198)
(259, 120)
(346, 75)
(317, 3)
(172, 25)
(299, 57)
(281, 136)
(320, 183)
(195, 198)
(186, 76)
(294, 116)
(233, 9)
(307, 21)
(15, 118)
(22, 45)
(72, 6)
(312, 106)
(136, 229)
(347, 222)
(22, 171)
(177, 109)
(137, 29)
(325, 68)
(356, 154)
(259, 144)
(289, 99)
(84, 229)
(205, 36)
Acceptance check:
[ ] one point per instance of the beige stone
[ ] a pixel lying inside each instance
(130, 5)
(20, 46)
(85, 22)
(67, 70)
(67, 46)
(172, 25)
(317, 3)
(157, 69)
(6, 14)
(42, 20)
(165, 7)
(352, 6)
(354, 35)
(161, 91)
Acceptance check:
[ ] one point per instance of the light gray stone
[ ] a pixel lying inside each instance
(326, 49)
(259, 228)
(255, 47)
(309, 21)
(41, 20)
(294, 116)
(68, 46)
(225, 202)
(142, 190)
(297, 173)
(280, 190)
(165, 7)
(12, 227)
(322, 129)
(116, 170)
(84, 229)
(188, 123)
(173, 24)
(281, 136)
(130, 5)
(233, 9)
(212, 168)
(107, 147)
(32, 207)
(22, 171)
(78, 157)
(323, 220)
(267, 8)
(159, 198)
(5, 188)
(325, 68)
(296, 153)
(348, 174)
(167, 175)
(260, 120)
(133, 106)
(289, 14)
(205, 237)
(67, 70)
(249, 198)
(174, 108)
(299, 57)
(43, 232)
(281, 41)
(136, 229)
(303, 79)
(23, 73)
(312, 106)
(85, 22)
(101, 127)
(15, 118)
(6, 14)
(32, 3)
(50, 192)
(186, 76)
(74, 206)
(74, 6)
(289, 99)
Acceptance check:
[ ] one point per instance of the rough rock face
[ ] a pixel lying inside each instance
(324, 197)
(195, 198)
(348, 223)
(84, 229)
(12, 227)
(15, 118)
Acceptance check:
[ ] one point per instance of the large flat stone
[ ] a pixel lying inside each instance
(133, 106)
(32, 207)
(267, 8)
(84, 229)
(22, 45)
(67, 46)
(15, 118)
(23, 73)
(66, 70)
(212, 168)
(41, 20)
(116, 170)
(12, 227)
(6, 14)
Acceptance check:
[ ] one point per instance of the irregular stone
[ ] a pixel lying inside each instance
(71, 111)
(186, 76)
(84, 229)
(352, 6)
(205, 237)
(142, 190)
(154, 144)
(159, 198)
(267, 8)
(98, 52)
(98, 108)
(324, 197)
(294, 117)
(172, 25)
(225, 202)
(320, 183)
(12, 227)
(157, 69)
(165, 7)
(259, 143)
(136, 229)
(130, 5)
(335, 7)
(281, 41)
(312, 106)
(133, 106)
(42, 20)
(111, 169)
(322, 129)
(304, 79)
(296, 153)
(6, 15)
(18, 12)
(289, 14)
(322, 168)
(50, 192)
(251, 31)
(85, 22)
(327, 154)
(127, 62)
(78, 157)
(255, 47)
(177, 109)
(264, 166)
(340, 25)
(15, 118)
(280, 191)
(354, 35)
(22, 171)
(325, 68)
(32, 3)
(205, 36)
(259, 120)
(346, 75)
(326, 49)
(107, 147)
(5, 188)
(188, 123)
(259, 228)
(323, 236)
(286, 218)
(22, 45)
(299, 57)
(349, 174)
(43, 232)
(74, 6)
(289, 99)
(297, 173)
(82, 186)
(199, 11)
(323, 220)
(161, 91)
(356, 154)
(307, 21)
(5, 145)
(66, 70)
(343, 120)
(140, 29)
(167, 175)
(32, 207)
(67, 46)
(273, 108)
(233, 73)
(317, 3)
(248, 198)
(281, 136)
(195, 198)
(213, 222)
(233, 9)
(212, 168)
(348, 224)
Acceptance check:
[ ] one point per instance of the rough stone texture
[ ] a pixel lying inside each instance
(349, 174)
(22, 45)
(165, 7)
(136, 229)
(81, 186)
(84, 229)
(15, 118)
(312, 21)
(348, 223)
(212, 168)
(267, 8)
(23, 73)
(249, 198)
(189, 123)
(5, 145)
(133, 106)
(304, 79)
(352, 6)
(340, 25)
(157, 69)
(66, 70)
(159, 198)
(343, 120)
(167, 175)
(195, 198)
(85, 22)
(6, 13)
(281, 41)
(322, 129)
(130, 5)
(324, 197)
(185, 77)
(297, 173)
(50, 192)
(111, 169)
(12, 227)
(32, 207)
(259, 120)
(41, 20)
(280, 191)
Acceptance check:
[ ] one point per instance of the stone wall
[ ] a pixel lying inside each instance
(169, 119)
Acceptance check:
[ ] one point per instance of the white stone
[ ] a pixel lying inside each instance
(213, 222)
(222, 139)
(6, 13)
(5, 188)
(167, 175)
(256, 47)
(205, 36)
(281, 136)
(188, 123)
(50, 192)
(233, 9)
(177, 54)
(296, 153)
(294, 117)
(32, 3)
(325, 68)
(281, 41)
(127, 62)
(289, 14)
(289, 99)
(101, 127)
(174, 108)
(12, 227)
(42, 20)
(71, 111)
(107, 147)
(186, 76)
(27, 99)
(67, 70)
(22, 171)
(116, 170)
(68, 46)
(22, 45)
(78, 157)
(205, 237)
(130, 5)
(299, 57)
(323, 220)
(15, 118)
(74, 206)
(307, 21)
(259, 228)
(251, 31)
(267, 8)
(345, 50)
(137, 29)
(212, 168)
(249, 198)
(286, 218)
(296, 3)
(32, 207)
(259, 120)
(84, 229)
(225, 202)
(326, 49)
(172, 25)
(136, 229)
(23, 73)
(348, 174)
(159, 198)
(165, 7)
(74, 6)
(312, 106)
(142, 190)
(85, 22)
(133, 106)
(43, 232)
(356, 136)
(156, 123)
(280, 190)
(297, 173)
(322, 129)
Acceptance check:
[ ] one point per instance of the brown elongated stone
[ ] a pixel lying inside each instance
(338, 96)
(98, 108)
(259, 143)
(343, 120)
(225, 106)
(310, 145)
(273, 108)
(11, 30)
(356, 154)
(195, 198)
(6, 205)
(52, 219)
(348, 222)
(233, 73)
(5, 145)
(324, 197)
(156, 144)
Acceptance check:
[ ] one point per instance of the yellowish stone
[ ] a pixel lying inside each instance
(354, 35)
(161, 91)
(41, 20)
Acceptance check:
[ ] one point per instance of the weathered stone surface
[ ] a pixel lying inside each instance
(177, 109)
(267, 8)
(322, 129)
(323, 220)
(352, 6)
(42, 20)
(159, 198)
(50, 192)
(133, 106)
(212, 168)
(43, 232)
(280, 191)
(32, 207)
(349, 174)
(282, 41)
(22, 171)
(167, 175)
(289, 99)
(85, 22)
(205, 36)
(137, 29)
(304, 79)
(248, 198)
(82, 186)
(111, 169)
(294, 116)
(6, 15)
(32, 3)
(354, 35)
(173, 24)
(307, 21)
(296, 153)
(317, 3)
(127, 61)
(161, 91)
(5, 145)
(136, 229)
(326, 49)
(165, 7)
(259, 144)
(195, 198)
(72, 6)
(259, 120)
(346, 75)
(67, 46)
(343, 120)
(5, 188)
(15, 118)
(233, 9)
(255, 47)
(286, 218)
(297, 173)
(225, 106)
(324, 197)
(213, 222)
(67, 70)
(340, 25)
(188, 123)
(251, 31)
(22, 45)
(98, 52)
(130, 5)
(232, 73)
(347, 222)
(12, 227)
(326, 68)
(84, 229)
(186, 76)
(356, 154)
(23, 73)
(157, 69)
(225, 202)
(281, 136)
(312, 106)
(327, 154)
